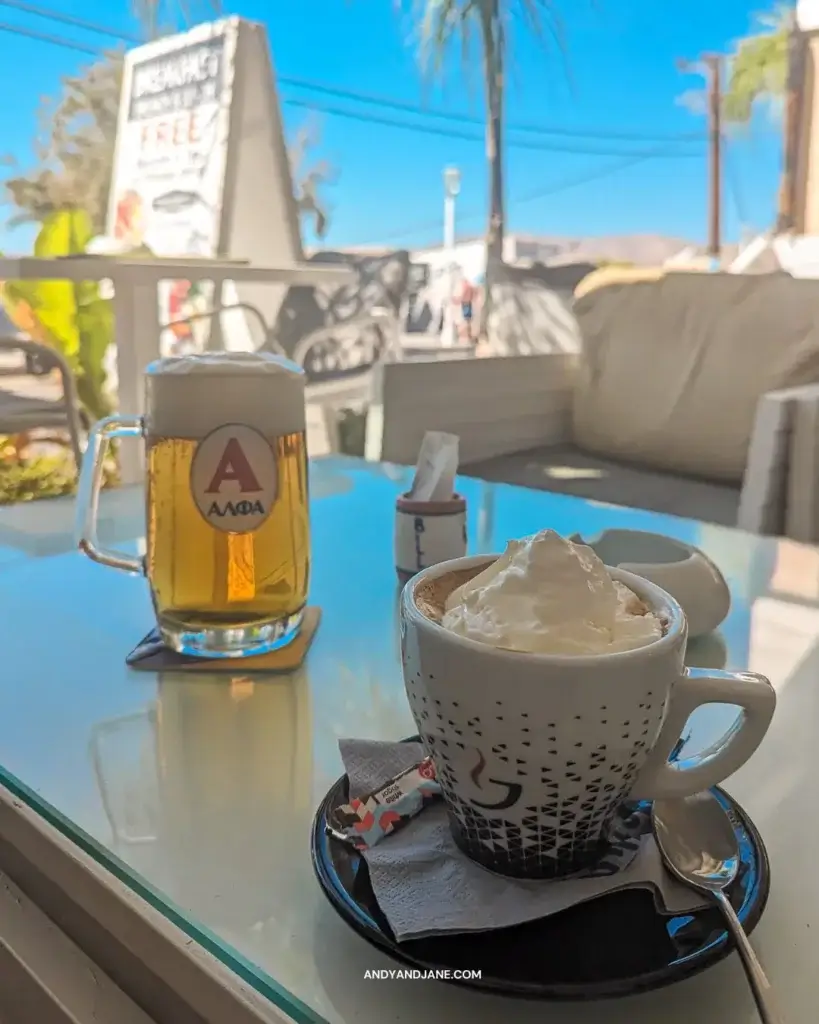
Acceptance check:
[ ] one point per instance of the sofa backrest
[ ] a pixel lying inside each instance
(673, 368)
(496, 406)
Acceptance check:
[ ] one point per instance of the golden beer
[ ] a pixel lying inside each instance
(228, 545)
(203, 577)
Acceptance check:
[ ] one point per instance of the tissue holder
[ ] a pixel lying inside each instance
(428, 532)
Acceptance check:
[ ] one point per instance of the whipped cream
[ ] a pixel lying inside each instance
(546, 595)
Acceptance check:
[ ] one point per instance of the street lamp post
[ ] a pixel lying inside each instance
(452, 186)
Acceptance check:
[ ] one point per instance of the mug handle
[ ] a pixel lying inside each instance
(88, 492)
(752, 693)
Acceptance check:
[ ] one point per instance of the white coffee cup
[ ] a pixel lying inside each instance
(535, 753)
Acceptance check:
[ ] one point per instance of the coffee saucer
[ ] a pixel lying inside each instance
(615, 945)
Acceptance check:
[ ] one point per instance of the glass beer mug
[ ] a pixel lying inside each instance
(228, 540)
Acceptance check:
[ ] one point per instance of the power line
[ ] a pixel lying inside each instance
(450, 133)
(371, 98)
(69, 19)
(429, 129)
(44, 37)
(602, 172)
(517, 126)
(542, 193)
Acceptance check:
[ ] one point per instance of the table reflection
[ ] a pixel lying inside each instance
(218, 776)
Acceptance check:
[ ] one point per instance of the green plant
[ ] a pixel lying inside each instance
(37, 474)
(75, 319)
(43, 476)
(758, 67)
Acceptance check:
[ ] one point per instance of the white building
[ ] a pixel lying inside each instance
(466, 261)
(470, 254)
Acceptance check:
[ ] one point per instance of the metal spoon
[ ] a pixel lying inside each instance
(699, 846)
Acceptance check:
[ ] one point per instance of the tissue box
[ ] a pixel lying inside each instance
(428, 532)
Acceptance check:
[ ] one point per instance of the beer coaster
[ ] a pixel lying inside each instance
(151, 654)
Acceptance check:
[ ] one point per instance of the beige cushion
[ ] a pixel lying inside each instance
(565, 470)
(604, 277)
(674, 368)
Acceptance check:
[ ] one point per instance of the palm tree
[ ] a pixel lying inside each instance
(758, 67)
(447, 22)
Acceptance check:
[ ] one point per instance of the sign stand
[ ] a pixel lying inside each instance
(260, 220)
(201, 170)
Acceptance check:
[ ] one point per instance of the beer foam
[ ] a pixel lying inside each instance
(190, 396)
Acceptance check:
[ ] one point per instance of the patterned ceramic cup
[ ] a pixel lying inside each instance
(536, 752)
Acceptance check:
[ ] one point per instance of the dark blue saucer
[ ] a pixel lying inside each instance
(615, 945)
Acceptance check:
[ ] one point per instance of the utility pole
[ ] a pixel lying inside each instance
(452, 187)
(713, 63)
(794, 105)
(710, 65)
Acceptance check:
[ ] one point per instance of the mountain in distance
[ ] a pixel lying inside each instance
(642, 250)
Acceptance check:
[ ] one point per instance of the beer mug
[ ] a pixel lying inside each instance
(228, 540)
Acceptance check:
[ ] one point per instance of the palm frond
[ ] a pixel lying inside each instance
(440, 29)
(442, 23)
(543, 19)
(758, 67)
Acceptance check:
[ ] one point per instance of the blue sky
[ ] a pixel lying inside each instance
(621, 56)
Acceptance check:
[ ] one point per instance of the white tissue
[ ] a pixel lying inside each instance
(436, 468)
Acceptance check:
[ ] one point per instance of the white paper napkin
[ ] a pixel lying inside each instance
(425, 886)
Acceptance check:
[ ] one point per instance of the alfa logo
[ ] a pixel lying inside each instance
(234, 481)
(233, 465)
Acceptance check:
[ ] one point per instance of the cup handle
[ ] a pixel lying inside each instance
(752, 693)
(88, 492)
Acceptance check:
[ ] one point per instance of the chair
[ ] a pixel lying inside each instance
(695, 395)
(325, 398)
(20, 413)
(218, 312)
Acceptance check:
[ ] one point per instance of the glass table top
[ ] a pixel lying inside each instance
(199, 790)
